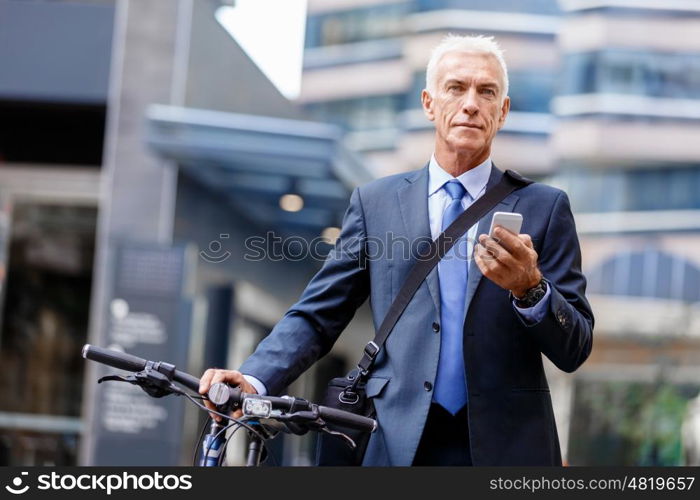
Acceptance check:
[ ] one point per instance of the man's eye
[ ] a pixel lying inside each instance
(489, 91)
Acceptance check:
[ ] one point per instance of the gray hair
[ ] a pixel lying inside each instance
(458, 43)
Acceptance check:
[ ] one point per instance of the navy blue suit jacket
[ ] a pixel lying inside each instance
(511, 421)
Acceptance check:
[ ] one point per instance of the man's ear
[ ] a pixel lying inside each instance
(505, 107)
(427, 101)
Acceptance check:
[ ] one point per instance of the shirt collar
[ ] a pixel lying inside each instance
(473, 180)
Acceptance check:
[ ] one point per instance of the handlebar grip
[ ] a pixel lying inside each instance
(131, 363)
(113, 358)
(348, 419)
(187, 380)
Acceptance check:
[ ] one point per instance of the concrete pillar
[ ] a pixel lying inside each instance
(137, 197)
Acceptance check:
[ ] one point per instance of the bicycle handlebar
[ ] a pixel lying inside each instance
(339, 417)
(348, 419)
(129, 362)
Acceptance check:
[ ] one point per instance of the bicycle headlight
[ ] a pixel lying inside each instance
(259, 408)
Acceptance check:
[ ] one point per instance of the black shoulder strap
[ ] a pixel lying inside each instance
(438, 248)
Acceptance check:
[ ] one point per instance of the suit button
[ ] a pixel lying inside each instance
(436, 327)
(428, 386)
(561, 317)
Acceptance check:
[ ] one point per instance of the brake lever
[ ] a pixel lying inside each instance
(305, 420)
(154, 383)
(348, 440)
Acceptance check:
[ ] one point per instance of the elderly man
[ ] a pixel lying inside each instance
(460, 380)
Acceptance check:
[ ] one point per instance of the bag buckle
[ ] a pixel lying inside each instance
(370, 352)
(371, 349)
(349, 398)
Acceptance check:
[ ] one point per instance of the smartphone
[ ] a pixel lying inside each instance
(509, 220)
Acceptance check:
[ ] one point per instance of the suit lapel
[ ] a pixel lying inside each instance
(413, 203)
(506, 205)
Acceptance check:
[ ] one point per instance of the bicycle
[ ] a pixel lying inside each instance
(264, 417)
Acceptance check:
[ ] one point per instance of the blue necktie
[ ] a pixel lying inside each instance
(450, 384)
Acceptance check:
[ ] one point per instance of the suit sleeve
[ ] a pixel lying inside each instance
(565, 333)
(311, 326)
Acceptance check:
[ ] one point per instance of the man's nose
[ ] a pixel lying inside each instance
(470, 104)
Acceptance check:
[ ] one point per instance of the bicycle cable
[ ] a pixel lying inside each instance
(227, 417)
(271, 455)
(199, 440)
(235, 420)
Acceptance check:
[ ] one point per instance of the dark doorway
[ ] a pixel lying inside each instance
(44, 324)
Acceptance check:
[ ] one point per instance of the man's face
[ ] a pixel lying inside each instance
(468, 106)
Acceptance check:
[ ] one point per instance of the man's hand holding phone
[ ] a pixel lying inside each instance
(506, 257)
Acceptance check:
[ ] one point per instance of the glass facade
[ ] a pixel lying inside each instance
(356, 25)
(531, 91)
(363, 113)
(654, 74)
(511, 6)
(661, 188)
(417, 86)
(647, 273)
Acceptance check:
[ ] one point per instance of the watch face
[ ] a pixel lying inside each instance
(534, 294)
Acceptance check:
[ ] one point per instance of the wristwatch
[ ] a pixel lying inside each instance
(532, 296)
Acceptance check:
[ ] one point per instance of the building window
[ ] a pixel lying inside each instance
(650, 74)
(364, 113)
(615, 189)
(647, 273)
(529, 6)
(51, 133)
(531, 91)
(356, 25)
(413, 97)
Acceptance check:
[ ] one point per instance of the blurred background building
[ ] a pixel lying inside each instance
(141, 148)
(134, 135)
(628, 107)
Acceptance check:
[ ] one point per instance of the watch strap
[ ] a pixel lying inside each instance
(532, 296)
